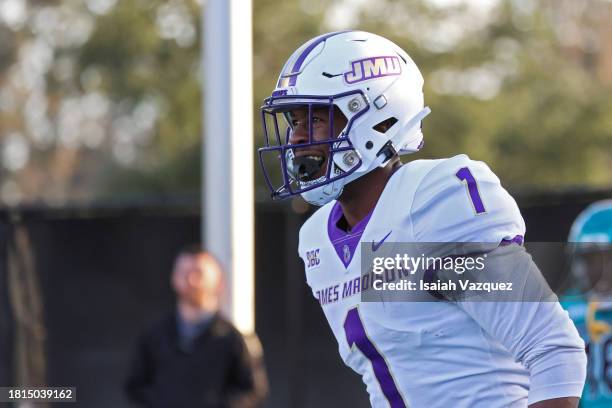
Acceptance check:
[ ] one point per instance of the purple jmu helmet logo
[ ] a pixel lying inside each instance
(373, 67)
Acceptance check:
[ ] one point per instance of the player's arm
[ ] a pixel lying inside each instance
(555, 359)
(463, 201)
(533, 327)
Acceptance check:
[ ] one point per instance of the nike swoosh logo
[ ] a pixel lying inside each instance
(375, 246)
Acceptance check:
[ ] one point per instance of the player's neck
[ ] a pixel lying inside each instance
(360, 197)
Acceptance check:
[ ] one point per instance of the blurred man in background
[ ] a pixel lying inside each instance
(194, 357)
(589, 303)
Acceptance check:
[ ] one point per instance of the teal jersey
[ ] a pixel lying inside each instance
(593, 319)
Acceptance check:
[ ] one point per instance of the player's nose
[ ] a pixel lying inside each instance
(299, 134)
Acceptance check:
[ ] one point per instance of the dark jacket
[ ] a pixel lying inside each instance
(213, 371)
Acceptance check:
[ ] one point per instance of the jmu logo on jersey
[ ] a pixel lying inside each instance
(346, 253)
(312, 258)
(373, 67)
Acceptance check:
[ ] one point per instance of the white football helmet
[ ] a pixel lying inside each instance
(371, 81)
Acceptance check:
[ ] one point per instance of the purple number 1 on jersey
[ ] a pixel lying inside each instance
(464, 174)
(356, 335)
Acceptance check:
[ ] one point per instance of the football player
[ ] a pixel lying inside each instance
(345, 107)
(589, 303)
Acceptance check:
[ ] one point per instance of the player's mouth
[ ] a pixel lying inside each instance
(308, 166)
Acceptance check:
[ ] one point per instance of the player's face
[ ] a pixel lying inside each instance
(311, 162)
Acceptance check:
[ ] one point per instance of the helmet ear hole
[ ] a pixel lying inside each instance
(385, 125)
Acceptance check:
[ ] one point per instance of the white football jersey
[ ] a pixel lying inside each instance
(436, 354)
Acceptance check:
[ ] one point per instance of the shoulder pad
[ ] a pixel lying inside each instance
(462, 200)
